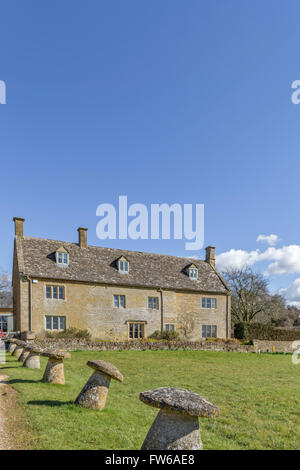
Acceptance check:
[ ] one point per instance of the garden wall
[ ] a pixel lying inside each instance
(273, 346)
(77, 344)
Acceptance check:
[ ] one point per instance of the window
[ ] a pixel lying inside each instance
(55, 292)
(48, 292)
(55, 323)
(169, 327)
(208, 302)
(62, 323)
(153, 303)
(123, 266)
(136, 330)
(119, 301)
(61, 291)
(62, 259)
(4, 323)
(193, 273)
(209, 331)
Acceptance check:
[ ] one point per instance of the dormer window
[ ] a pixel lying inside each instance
(193, 272)
(123, 265)
(62, 257)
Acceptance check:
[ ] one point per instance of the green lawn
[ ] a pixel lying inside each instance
(258, 397)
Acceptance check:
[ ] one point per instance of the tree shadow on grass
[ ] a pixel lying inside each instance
(50, 403)
(22, 381)
(10, 367)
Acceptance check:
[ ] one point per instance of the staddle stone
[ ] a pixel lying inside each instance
(176, 427)
(94, 393)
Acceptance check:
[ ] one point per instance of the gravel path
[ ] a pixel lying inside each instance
(6, 399)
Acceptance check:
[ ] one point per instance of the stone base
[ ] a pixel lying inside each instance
(173, 431)
(23, 356)
(18, 351)
(12, 347)
(32, 362)
(94, 393)
(54, 372)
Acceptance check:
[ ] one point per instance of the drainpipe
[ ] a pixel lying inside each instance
(227, 317)
(161, 310)
(29, 303)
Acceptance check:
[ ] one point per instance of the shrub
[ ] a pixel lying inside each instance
(165, 335)
(264, 331)
(70, 333)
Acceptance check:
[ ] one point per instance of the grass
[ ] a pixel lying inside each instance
(258, 397)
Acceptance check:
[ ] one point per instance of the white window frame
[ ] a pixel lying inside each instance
(123, 266)
(58, 318)
(119, 303)
(64, 256)
(193, 274)
(205, 300)
(211, 328)
(151, 301)
(51, 287)
(167, 326)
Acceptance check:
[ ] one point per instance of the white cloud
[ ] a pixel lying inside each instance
(286, 260)
(237, 259)
(292, 293)
(282, 260)
(271, 240)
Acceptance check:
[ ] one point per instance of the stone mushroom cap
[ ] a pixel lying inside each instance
(179, 400)
(107, 368)
(58, 354)
(34, 349)
(12, 340)
(18, 342)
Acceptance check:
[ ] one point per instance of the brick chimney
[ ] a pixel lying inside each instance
(82, 237)
(19, 224)
(210, 255)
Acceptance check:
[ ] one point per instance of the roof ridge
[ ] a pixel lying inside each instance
(194, 260)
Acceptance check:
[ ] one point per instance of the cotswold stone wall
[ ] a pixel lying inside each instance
(73, 345)
(273, 346)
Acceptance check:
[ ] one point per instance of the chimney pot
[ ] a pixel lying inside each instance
(82, 237)
(19, 226)
(210, 255)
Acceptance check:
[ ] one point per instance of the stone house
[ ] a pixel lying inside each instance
(6, 319)
(115, 294)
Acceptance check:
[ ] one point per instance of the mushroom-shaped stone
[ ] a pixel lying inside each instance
(32, 361)
(176, 426)
(11, 345)
(94, 393)
(54, 372)
(24, 354)
(19, 348)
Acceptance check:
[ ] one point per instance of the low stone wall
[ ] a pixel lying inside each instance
(272, 346)
(73, 345)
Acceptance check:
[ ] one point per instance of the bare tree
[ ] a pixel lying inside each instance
(186, 322)
(5, 290)
(251, 299)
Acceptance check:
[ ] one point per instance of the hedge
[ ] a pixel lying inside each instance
(264, 331)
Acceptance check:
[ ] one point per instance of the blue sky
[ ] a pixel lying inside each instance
(171, 101)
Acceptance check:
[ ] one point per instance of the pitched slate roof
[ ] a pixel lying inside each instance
(36, 258)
